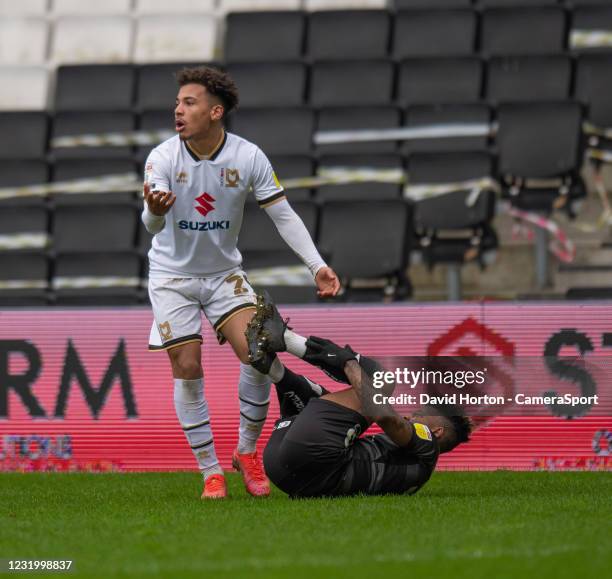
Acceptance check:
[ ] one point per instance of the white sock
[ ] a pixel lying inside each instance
(254, 395)
(277, 371)
(192, 411)
(295, 343)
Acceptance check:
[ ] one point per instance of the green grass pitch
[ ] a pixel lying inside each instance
(494, 525)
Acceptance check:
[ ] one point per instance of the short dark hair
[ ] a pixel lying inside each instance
(215, 81)
(461, 426)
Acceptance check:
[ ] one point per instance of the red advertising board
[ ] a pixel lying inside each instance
(79, 390)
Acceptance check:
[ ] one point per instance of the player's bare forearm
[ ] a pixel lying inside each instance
(398, 429)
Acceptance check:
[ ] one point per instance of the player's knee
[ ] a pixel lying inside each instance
(186, 367)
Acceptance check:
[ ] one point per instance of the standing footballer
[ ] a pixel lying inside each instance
(196, 184)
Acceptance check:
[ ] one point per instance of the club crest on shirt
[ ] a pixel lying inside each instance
(230, 177)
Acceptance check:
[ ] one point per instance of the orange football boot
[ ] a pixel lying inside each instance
(215, 487)
(255, 479)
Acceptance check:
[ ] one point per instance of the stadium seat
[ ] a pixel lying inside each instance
(24, 220)
(95, 279)
(434, 33)
(270, 84)
(364, 190)
(542, 31)
(71, 169)
(101, 87)
(264, 36)
(540, 141)
(356, 118)
(265, 5)
(23, 135)
(24, 88)
(23, 278)
(278, 131)
(18, 173)
(592, 87)
(379, 233)
(78, 228)
(23, 40)
(79, 7)
(143, 243)
(175, 7)
(589, 293)
(448, 229)
(595, 19)
(24, 7)
(339, 83)
(259, 234)
(172, 38)
(425, 115)
(348, 34)
(343, 4)
(73, 123)
(87, 39)
(160, 120)
(528, 78)
(291, 167)
(439, 80)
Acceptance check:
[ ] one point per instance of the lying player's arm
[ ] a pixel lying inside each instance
(296, 236)
(156, 205)
(398, 429)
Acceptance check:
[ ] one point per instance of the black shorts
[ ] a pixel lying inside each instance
(319, 453)
(308, 454)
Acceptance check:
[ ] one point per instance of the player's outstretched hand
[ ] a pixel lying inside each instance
(159, 202)
(327, 282)
(328, 353)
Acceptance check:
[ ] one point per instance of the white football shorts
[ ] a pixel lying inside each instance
(178, 303)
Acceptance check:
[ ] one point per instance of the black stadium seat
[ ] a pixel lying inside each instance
(74, 123)
(23, 135)
(440, 80)
(95, 87)
(450, 230)
(291, 167)
(156, 86)
(360, 191)
(71, 169)
(23, 278)
(339, 83)
(355, 118)
(424, 115)
(17, 173)
(522, 31)
(434, 33)
(78, 228)
(540, 141)
(269, 84)
(261, 36)
(594, 86)
(119, 271)
(348, 34)
(378, 231)
(514, 3)
(16, 219)
(278, 131)
(528, 78)
(595, 19)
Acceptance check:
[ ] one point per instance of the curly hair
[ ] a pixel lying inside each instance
(215, 81)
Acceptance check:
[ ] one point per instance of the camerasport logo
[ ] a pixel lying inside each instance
(471, 339)
(204, 204)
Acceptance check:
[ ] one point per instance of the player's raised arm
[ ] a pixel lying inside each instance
(158, 199)
(270, 196)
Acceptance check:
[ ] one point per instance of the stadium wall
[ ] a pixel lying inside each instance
(80, 391)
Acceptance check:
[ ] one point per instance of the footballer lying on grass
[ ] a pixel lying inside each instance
(315, 448)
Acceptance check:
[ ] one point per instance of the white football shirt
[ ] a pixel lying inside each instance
(201, 230)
